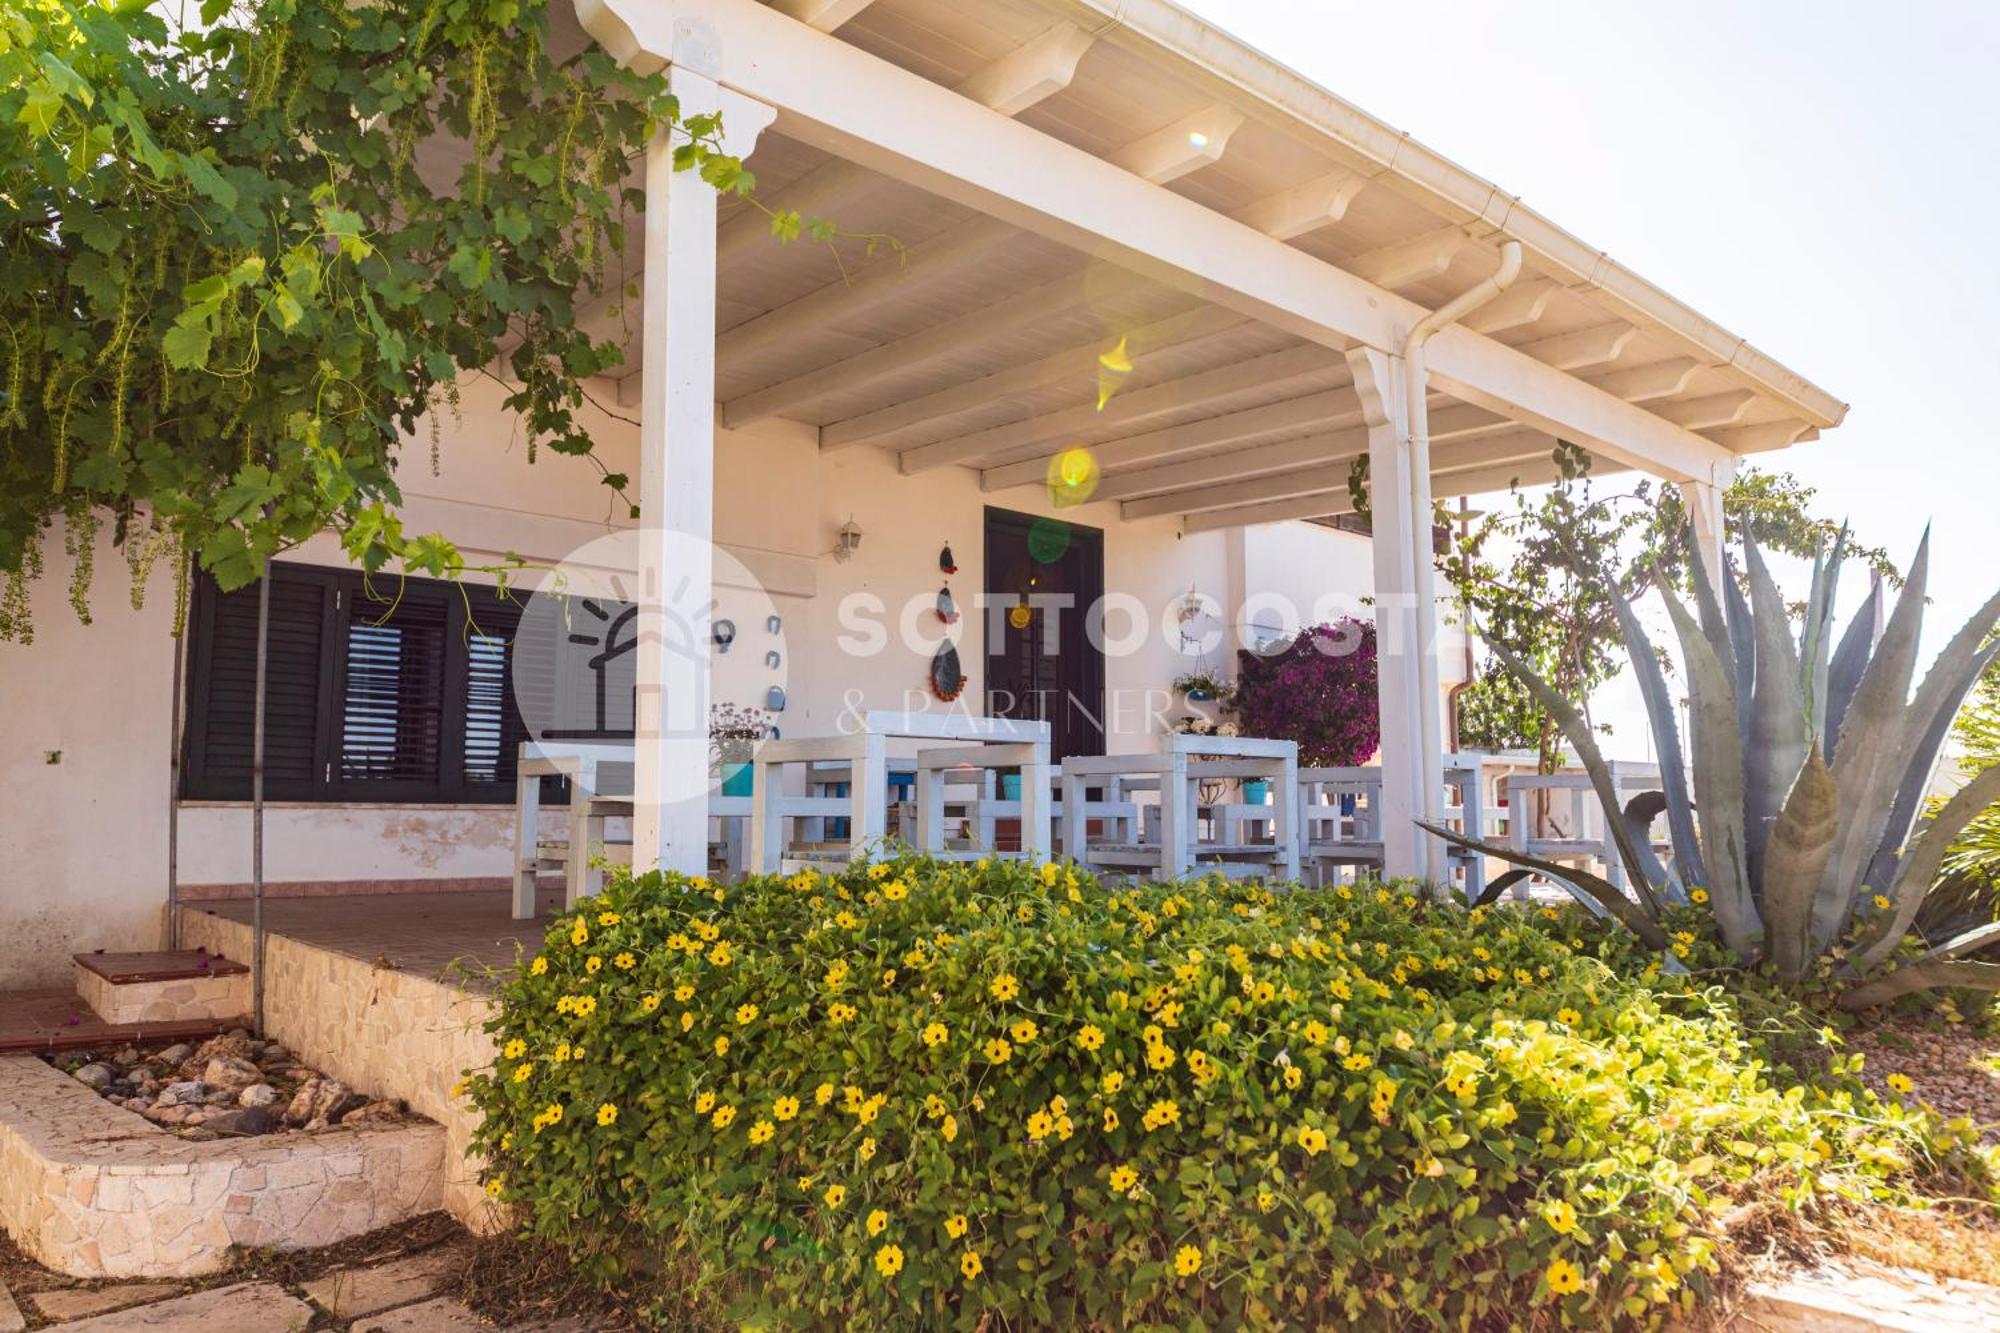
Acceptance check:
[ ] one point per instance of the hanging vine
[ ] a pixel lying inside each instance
(234, 275)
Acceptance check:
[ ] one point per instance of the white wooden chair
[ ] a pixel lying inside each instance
(1174, 847)
(1558, 817)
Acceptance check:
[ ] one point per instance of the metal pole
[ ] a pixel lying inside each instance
(257, 808)
(174, 796)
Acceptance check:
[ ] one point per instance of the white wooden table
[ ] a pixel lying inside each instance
(945, 746)
(1181, 763)
(1340, 819)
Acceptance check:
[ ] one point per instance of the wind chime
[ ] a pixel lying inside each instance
(947, 676)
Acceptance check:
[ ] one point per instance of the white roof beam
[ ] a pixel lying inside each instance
(1716, 409)
(1041, 68)
(1256, 490)
(1414, 260)
(1306, 208)
(884, 425)
(1231, 428)
(1586, 347)
(847, 101)
(1187, 145)
(1520, 305)
(825, 15)
(1171, 482)
(1763, 436)
(950, 338)
(1131, 408)
(1317, 505)
(1010, 85)
(1642, 384)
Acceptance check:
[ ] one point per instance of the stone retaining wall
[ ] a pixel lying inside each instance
(95, 1191)
(178, 1000)
(385, 1032)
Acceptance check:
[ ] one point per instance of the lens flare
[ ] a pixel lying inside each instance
(1048, 540)
(1072, 476)
(1112, 368)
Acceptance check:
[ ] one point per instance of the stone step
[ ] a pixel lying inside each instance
(11, 1318)
(351, 1293)
(247, 1307)
(162, 986)
(82, 1302)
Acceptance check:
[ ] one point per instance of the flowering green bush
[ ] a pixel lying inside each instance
(936, 1096)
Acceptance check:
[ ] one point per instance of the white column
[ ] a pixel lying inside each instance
(1397, 639)
(1704, 504)
(677, 488)
(1430, 691)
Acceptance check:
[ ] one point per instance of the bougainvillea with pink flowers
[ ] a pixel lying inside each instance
(1318, 690)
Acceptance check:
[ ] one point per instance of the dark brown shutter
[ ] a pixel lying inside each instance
(222, 687)
(389, 713)
(493, 729)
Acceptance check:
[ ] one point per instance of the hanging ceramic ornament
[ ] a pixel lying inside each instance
(947, 610)
(946, 564)
(947, 677)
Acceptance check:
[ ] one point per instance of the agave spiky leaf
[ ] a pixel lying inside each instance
(1743, 634)
(1667, 737)
(1816, 636)
(1639, 814)
(1864, 767)
(1969, 942)
(1628, 913)
(1718, 781)
(1577, 732)
(1923, 976)
(1795, 859)
(1920, 868)
(1923, 727)
(1775, 748)
(1857, 645)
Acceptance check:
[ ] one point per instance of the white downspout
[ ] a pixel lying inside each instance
(1416, 383)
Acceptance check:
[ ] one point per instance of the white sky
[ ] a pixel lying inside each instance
(1821, 177)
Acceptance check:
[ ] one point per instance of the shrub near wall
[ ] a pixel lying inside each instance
(930, 1096)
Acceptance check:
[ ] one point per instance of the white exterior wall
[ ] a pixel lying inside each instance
(87, 838)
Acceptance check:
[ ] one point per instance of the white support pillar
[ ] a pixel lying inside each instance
(677, 488)
(1704, 505)
(1397, 637)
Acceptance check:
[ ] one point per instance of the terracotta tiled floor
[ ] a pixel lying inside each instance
(460, 937)
(55, 1019)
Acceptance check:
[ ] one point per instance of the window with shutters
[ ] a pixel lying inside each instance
(391, 689)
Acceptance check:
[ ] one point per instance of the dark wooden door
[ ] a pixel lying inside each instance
(1044, 579)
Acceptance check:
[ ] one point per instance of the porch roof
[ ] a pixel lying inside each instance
(974, 339)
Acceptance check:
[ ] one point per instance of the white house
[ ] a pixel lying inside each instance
(1075, 185)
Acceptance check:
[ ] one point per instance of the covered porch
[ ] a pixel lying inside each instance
(1117, 263)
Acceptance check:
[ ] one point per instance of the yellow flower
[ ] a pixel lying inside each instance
(1294, 1076)
(895, 890)
(889, 1260)
(1881, 903)
(969, 1264)
(1900, 1084)
(683, 992)
(722, 1045)
(495, 1187)
(761, 1132)
(719, 956)
(723, 1115)
(1187, 1259)
(878, 871)
(523, 1072)
(1123, 1178)
(1025, 1031)
(1005, 987)
(1569, 1016)
(823, 1094)
(579, 934)
(1697, 896)
(1315, 1032)
(1266, 1200)
(1112, 1082)
(955, 1225)
(867, 1148)
(745, 1013)
(539, 966)
(687, 1021)
(1560, 1216)
(1090, 1037)
(1313, 1140)
(936, 1034)
(1160, 1114)
(592, 963)
(997, 1050)
(607, 1114)
(554, 1114)
(1040, 1124)
(1357, 1061)
(1563, 1277)
(650, 1003)
(878, 1221)
(1160, 1056)
(1110, 1119)
(949, 1128)
(785, 1107)
(835, 1195)
(704, 1103)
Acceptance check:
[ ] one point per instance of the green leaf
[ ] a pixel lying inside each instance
(186, 345)
(207, 181)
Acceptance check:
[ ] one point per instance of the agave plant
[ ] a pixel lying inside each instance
(1812, 760)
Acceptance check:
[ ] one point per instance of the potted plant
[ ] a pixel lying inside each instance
(1201, 687)
(733, 733)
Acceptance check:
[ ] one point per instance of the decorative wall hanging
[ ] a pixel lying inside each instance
(774, 624)
(947, 610)
(773, 659)
(946, 564)
(947, 677)
(724, 633)
(774, 699)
